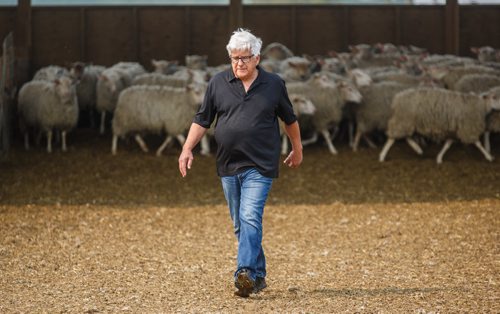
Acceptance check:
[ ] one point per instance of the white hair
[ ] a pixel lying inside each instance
(242, 39)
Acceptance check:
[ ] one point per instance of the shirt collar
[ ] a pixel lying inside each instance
(261, 77)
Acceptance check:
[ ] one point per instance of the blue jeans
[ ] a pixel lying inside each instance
(246, 195)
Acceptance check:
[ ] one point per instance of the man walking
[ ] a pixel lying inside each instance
(247, 102)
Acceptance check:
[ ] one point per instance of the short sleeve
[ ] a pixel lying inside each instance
(285, 107)
(206, 114)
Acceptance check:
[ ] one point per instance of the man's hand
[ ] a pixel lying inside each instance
(294, 159)
(185, 161)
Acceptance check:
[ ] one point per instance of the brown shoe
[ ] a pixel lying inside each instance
(244, 284)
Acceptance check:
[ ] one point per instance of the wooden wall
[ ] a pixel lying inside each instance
(105, 35)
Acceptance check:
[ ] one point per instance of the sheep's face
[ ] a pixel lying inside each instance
(349, 92)
(492, 100)
(197, 92)
(109, 83)
(334, 65)
(485, 53)
(196, 62)
(77, 70)
(301, 69)
(360, 78)
(322, 81)
(65, 89)
(361, 51)
(302, 105)
(165, 67)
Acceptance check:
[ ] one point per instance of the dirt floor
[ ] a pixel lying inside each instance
(88, 232)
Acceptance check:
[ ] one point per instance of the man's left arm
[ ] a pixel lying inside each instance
(294, 159)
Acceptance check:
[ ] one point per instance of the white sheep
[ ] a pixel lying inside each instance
(302, 106)
(476, 83)
(48, 106)
(451, 75)
(160, 79)
(295, 69)
(50, 73)
(155, 109)
(111, 82)
(165, 66)
(276, 51)
(441, 115)
(373, 113)
(486, 53)
(329, 99)
(196, 62)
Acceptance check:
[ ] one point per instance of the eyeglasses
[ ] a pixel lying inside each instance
(244, 59)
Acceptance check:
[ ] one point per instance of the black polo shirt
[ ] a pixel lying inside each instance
(247, 130)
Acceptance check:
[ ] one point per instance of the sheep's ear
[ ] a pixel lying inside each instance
(154, 62)
(474, 50)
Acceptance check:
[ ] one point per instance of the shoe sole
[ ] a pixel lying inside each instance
(244, 281)
(244, 284)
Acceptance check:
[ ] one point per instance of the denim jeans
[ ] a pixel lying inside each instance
(246, 195)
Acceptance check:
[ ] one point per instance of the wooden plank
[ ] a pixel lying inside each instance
(452, 26)
(209, 35)
(55, 37)
(320, 30)
(422, 26)
(271, 23)
(479, 26)
(110, 35)
(163, 34)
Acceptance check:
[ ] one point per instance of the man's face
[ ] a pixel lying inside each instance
(244, 63)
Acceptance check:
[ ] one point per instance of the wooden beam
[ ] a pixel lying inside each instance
(452, 27)
(23, 41)
(83, 34)
(235, 15)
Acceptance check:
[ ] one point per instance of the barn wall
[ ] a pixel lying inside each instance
(105, 35)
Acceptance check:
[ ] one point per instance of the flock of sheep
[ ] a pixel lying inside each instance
(401, 92)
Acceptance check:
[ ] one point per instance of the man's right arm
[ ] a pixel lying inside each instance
(195, 134)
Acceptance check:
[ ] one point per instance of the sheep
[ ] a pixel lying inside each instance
(295, 69)
(440, 115)
(270, 65)
(374, 111)
(486, 53)
(450, 75)
(160, 79)
(165, 67)
(47, 106)
(155, 109)
(86, 89)
(329, 99)
(492, 120)
(111, 82)
(476, 83)
(276, 51)
(196, 62)
(302, 106)
(50, 73)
